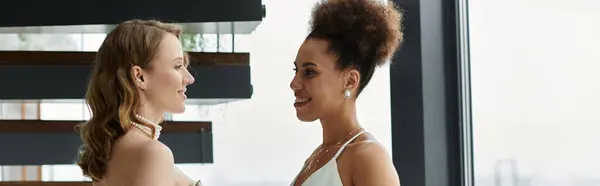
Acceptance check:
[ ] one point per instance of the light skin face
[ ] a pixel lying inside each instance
(163, 83)
(161, 87)
(319, 84)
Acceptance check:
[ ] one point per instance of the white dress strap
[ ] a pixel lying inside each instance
(345, 144)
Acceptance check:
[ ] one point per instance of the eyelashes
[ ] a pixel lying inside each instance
(307, 72)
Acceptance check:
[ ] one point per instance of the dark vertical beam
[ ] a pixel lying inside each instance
(425, 96)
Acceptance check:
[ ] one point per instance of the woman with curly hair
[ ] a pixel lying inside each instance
(348, 40)
(140, 73)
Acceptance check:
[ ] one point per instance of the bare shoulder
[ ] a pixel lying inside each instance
(371, 163)
(152, 154)
(151, 164)
(366, 146)
(139, 149)
(154, 150)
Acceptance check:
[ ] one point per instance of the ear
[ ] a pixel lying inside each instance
(138, 77)
(352, 79)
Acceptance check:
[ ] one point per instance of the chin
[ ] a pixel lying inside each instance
(304, 118)
(178, 110)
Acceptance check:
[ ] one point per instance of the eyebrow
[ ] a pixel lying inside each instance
(185, 62)
(306, 64)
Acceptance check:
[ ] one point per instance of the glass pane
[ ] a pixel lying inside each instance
(208, 43)
(41, 42)
(535, 92)
(241, 42)
(92, 42)
(51, 42)
(10, 42)
(225, 42)
(64, 111)
(62, 173)
(10, 110)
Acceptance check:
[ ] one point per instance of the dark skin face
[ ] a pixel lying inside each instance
(320, 82)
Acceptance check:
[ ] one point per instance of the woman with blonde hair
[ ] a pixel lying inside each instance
(140, 73)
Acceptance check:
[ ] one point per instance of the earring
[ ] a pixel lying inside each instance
(140, 82)
(347, 93)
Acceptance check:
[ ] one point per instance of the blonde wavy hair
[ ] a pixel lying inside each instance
(111, 93)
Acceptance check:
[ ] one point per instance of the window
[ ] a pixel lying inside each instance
(41, 42)
(535, 92)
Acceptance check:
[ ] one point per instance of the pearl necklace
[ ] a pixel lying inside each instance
(145, 129)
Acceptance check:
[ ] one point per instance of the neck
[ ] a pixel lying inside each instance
(340, 124)
(155, 116)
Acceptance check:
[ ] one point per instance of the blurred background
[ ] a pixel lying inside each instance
(533, 82)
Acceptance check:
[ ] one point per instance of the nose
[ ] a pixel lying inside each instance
(295, 84)
(188, 79)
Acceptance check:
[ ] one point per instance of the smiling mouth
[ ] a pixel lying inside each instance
(182, 92)
(301, 101)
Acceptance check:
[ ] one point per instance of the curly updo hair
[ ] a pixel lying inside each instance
(362, 34)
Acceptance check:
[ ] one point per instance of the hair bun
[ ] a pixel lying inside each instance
(373, 26)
